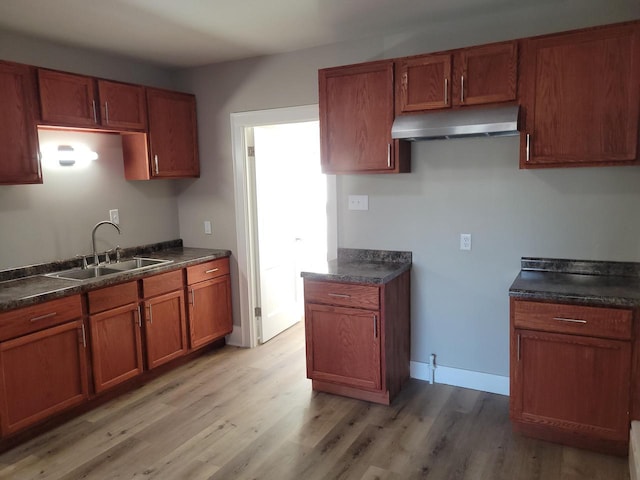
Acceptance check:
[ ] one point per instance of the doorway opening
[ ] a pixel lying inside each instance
(286, 216)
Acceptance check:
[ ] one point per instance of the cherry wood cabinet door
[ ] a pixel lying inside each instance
(116, 348)
(572, 383)
(165, 328)
(356, 113)
(173, 140)
(486, 74)
(424, 83)
(122, 106)
(67, 99)
(42, 374)
(580, 98)
(19, 162)
(343, 345)
(209, 311)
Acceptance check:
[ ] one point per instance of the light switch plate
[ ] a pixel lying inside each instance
(207, 227)
(114, 216)
(465, 241)
(358, 202)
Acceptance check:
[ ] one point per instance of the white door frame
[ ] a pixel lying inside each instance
(245, 230)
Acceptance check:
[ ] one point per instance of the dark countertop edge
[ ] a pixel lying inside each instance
(607, 301)
(349, 278)
(583, 267)
(72, 288)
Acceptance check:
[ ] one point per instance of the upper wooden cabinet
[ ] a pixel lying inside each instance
(122, 106)
(79, 101)
(486, 74)
(470, 76)
(173, 140)
(19, 162)
(423, 83)
(580, 98)
(356, 113)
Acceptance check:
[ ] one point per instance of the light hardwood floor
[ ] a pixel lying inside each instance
(251, 414)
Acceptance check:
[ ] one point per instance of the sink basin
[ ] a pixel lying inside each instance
(83, 274)
(137, 262)
(91, 272)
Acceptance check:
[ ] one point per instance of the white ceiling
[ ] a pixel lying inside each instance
(183, 33)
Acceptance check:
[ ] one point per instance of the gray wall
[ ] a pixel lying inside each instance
(460, 303)
(40, 223)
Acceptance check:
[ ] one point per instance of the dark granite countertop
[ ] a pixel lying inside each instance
(362, 266)
(578, 281)
(33, 287)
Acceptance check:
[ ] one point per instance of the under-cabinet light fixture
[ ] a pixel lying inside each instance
(64, 156)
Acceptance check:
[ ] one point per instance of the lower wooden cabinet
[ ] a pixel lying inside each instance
(116, 345)
(164, 318)
(345, 346)
(571, 374)
(43, 373)
(209, 292)
(52, 352)
(358, 337)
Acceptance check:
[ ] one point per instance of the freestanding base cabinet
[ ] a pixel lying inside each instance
(358, 337)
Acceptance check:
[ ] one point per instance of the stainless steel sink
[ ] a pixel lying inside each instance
(92, 272)
(137, 262)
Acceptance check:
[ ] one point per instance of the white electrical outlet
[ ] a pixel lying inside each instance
(207, 227)
(465, 241)
(358, 202)
(114, 216)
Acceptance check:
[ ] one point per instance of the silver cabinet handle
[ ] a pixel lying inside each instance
(339, 295)
(528, 146)
(139, 317)
(150, 316)
(84, 337)
(461, 88)
(570, 320)
(388, 155)
(446, 91)
(518, 347)
(212, 270)
(106, 111)
(42, 317)
(193, 297)
(155, 160)
(375, 326)
(95, 114)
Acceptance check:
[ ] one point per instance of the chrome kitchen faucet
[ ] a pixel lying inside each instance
(93, 238)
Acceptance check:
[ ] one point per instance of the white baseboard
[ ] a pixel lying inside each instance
(235, 337)
(461, 378)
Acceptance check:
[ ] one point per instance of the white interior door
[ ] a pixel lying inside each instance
(291, 206)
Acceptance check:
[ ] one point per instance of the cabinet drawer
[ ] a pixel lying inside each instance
(163, 283)
(36, 317)
(343, 294)
(573, 319)
(112, 297)
(207, 271)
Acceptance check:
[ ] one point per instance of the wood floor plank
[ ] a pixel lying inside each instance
(251, 414)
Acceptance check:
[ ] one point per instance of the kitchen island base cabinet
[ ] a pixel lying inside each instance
(358, 337)
(43, 373)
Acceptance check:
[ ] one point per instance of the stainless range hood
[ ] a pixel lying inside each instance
(460, 122)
